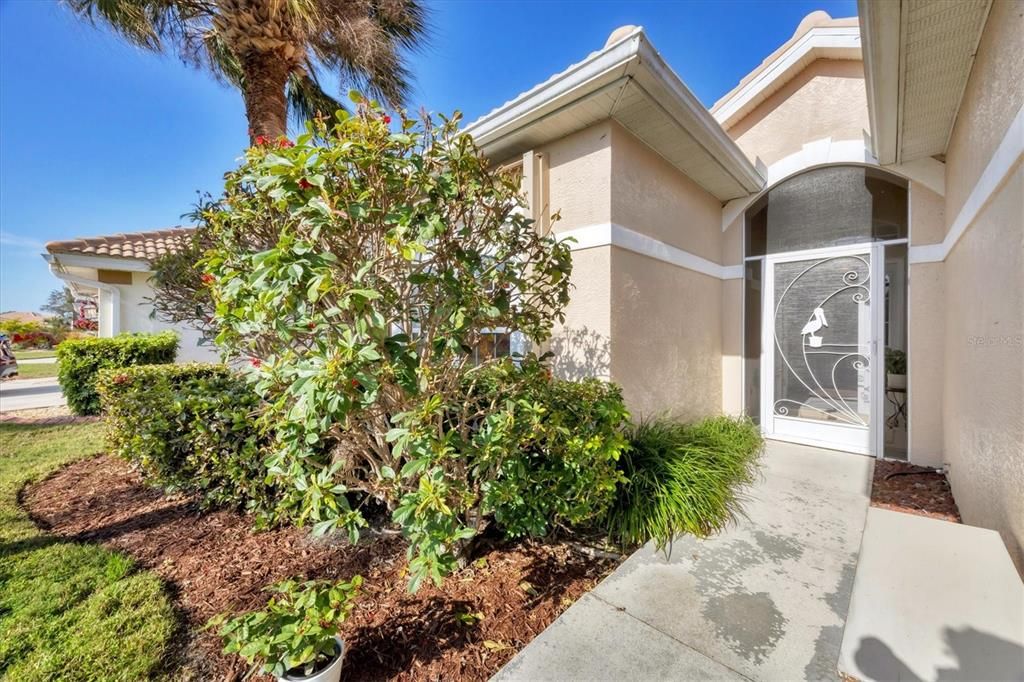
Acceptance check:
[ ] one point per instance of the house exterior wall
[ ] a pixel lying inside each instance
(666, 337)
(983, 390)
(925, 331)
(826, 99)
(135, 317)
(992, 98)
(576, 183)
(651, 326)
(666, 341)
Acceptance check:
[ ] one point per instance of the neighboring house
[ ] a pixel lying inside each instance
(861, 190)
(116, 271)
(23, 317)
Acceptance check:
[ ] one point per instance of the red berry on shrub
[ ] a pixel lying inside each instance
(305, 184)
(284, 143)
(255, 362)
(207, 278)
(386, 119)
(311, 325)
(355, 383)
(260, 140)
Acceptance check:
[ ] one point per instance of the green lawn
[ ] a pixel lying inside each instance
(29, 354)
(69, 611)
(36, 370)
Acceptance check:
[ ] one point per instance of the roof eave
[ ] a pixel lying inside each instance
(880, 37)
(86, 260)
(631, 57)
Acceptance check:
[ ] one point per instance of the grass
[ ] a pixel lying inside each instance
(36, 370)
(683, 478)
(69, 611)
(30, 354)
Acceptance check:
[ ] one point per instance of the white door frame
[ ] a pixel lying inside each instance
(825, 434)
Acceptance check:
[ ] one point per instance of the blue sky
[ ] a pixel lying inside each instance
(97, 137)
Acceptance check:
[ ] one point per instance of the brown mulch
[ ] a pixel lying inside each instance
(913, 490)
(215, 562)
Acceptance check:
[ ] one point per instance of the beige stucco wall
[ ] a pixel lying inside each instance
(666, 337)
(983, 406)
(576, 182)
(582, 344)
(925, 330)
(826, 99)
(926, 333)
(578, 177)
(732, 321)
(666, 348)
(983, 390)
(993, 96)
(652, 197)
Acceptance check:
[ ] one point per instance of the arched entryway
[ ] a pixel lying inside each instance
(825, 268)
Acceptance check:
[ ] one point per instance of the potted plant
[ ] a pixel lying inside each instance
(295, 637)
(895, 368)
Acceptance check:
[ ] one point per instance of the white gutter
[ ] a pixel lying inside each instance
(56, 269)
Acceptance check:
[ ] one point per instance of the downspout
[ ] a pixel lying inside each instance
(115, 294)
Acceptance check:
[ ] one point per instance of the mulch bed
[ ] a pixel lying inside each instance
(913, 490)
(215, 562)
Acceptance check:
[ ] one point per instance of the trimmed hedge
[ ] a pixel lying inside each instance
(81, 359)
(193, 428)
(683, 478)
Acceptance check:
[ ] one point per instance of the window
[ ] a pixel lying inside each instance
(829, 206)
(499, 343)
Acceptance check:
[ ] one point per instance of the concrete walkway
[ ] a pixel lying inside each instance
(766, 600)
(28, 394)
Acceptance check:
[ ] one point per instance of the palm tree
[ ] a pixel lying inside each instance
(271, 49)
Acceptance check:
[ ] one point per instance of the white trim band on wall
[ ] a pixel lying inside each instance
(610, 234)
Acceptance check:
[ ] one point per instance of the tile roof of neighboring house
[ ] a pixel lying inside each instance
(22, 316)
(146, 246)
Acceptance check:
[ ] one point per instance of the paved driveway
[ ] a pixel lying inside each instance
(766, 600)
(27, 394)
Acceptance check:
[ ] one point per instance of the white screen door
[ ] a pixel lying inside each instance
(820, 347)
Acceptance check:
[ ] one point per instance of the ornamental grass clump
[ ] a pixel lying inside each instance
(356, 269)
(683, 478)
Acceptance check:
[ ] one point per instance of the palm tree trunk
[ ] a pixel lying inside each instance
(266, 74)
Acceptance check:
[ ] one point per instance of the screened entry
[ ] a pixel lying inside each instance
(825, 310)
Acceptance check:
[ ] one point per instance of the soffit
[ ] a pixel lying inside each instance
(918, 57)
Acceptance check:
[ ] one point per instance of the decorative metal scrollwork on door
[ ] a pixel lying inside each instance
(822, 339)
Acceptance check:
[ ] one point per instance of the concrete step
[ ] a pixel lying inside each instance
(933, 600)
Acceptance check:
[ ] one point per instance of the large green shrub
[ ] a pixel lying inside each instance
(683, 478)
(357, 269)
(545, 452)
(194, 428)
(80, 360)
(517, 446)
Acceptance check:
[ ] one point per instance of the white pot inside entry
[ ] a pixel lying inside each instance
(896, 380)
